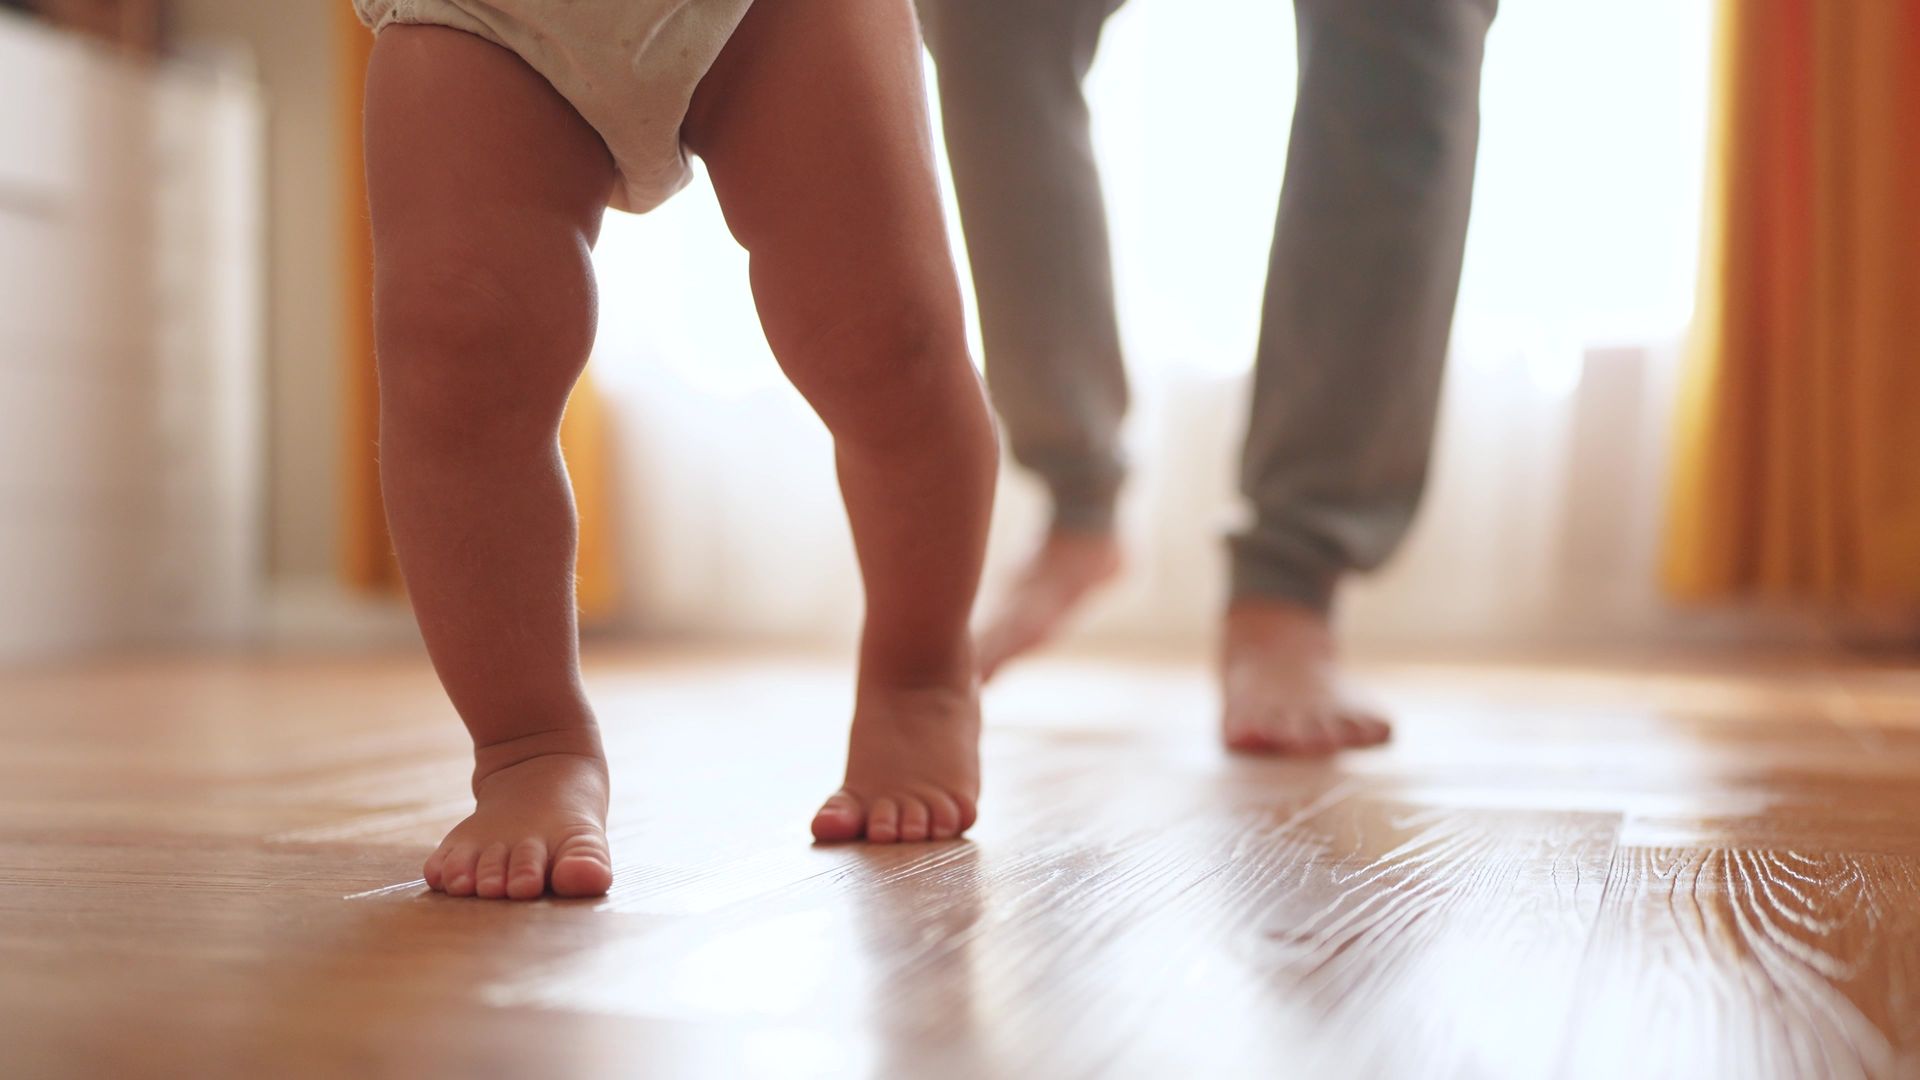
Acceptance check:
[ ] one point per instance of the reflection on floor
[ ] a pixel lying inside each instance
(210, 867)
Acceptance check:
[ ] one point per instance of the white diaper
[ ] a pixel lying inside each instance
(629, 67)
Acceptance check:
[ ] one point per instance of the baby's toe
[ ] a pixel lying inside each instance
(915, 820)
(945, 812)
(582, 866)
(840, 818)
(883, 821)
(457, 874)
(527, 870)
(431, 870)
(969, 811)
(490, 873)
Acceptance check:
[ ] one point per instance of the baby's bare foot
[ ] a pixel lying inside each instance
(1280, 685)
(539, 824)
(1066, 570)
(913, 768)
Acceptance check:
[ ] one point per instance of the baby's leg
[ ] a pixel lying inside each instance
(814, 128)
(487, 191)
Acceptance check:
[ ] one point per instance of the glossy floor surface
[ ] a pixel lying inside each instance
(210, 868)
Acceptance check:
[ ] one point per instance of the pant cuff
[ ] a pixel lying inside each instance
(1084, 500)
(1084, 517)
(1262, 580)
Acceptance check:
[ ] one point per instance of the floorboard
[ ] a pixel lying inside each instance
(209, 866)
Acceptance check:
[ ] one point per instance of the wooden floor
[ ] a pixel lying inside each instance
(210, 868)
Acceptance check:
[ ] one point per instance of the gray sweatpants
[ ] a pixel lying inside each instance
(1360, 291)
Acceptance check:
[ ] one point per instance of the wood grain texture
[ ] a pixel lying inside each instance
(209, 867)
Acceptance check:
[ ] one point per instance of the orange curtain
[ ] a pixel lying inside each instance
(367, 554)
(1798, 460)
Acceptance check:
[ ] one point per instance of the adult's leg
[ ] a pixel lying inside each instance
(1018, 135)
(1359, 305)
(814, 128)
(487, 191)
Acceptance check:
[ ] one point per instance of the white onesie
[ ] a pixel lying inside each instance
(629, 67)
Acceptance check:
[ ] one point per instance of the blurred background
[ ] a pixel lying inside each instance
(1680, 409)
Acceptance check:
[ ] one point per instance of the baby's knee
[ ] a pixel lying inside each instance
(893, 376)
(476, 347)
(900, 358)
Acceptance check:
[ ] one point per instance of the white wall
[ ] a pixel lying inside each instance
(129, 348)
(291, 46)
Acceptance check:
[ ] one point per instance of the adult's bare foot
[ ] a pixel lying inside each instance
(1068, 568)
(1279, 681)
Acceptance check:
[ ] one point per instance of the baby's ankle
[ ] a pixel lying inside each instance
(581, 740)
(949, 666)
